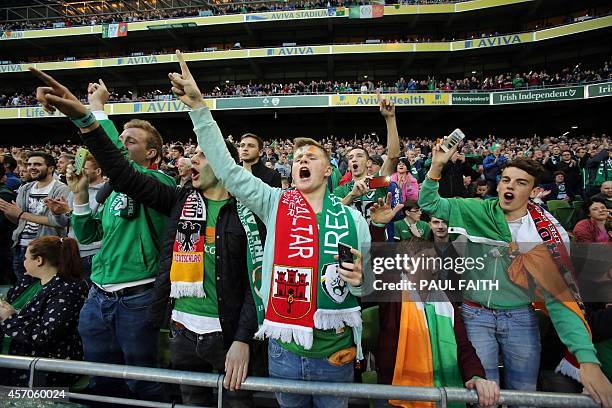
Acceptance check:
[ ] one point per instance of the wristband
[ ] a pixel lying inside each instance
(19, 216)
(434, 178)
(86, 121)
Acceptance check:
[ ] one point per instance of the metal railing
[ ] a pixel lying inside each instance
(442, 395)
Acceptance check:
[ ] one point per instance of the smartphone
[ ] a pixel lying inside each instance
(451, 140)
(79, 160)
(344, 253)
(378, 182)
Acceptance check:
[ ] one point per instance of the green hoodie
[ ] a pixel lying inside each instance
(484, 224)
(130, 246)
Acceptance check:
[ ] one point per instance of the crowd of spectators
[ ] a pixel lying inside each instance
(577, 74)
(214, 8)
(192, 258)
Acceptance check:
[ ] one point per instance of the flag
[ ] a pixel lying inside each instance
(340, 12)
(427, 348)
(372, 11)
(114, 30)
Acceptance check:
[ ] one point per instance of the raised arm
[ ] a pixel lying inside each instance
(101, 138)
(387, 109)
(429, 198)
(248, 189)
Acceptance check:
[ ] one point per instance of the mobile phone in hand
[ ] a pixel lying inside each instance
(451, 140)
(79, 160)
(344, 253)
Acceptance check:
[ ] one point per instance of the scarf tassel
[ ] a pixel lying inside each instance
(326, 319)
(568, 369)
(187, 289)
(285, 333)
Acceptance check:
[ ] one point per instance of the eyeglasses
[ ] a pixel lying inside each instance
(415, 210)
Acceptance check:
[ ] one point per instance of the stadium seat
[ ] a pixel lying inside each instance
(577, 204)
(553, 205)
(369, 342)
(565, 215)
(369, 338)
(4, 291)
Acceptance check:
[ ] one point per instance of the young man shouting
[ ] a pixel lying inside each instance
(312, 317)
(508, 233)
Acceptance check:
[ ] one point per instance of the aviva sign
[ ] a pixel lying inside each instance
(497, 41)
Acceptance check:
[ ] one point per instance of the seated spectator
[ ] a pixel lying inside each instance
(411, 225)
(606, 194)
(482, 190)
(593, 229)
(41, 315)
(559, 190)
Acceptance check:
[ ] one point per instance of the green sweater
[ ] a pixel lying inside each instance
(130, 246)
(484, 224)
(263, 201)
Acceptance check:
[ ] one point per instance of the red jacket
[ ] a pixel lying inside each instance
(586, 231)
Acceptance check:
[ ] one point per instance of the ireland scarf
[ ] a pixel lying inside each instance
(306, 290)
(550, 267)
(426, 348)
(187, 270)
(254, 257)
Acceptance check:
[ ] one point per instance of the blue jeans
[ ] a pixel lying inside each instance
(18, 258)
(286, 365)
(86, 265)
(516, 333)
(114, 331)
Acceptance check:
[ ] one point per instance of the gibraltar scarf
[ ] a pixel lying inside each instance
(549, 265)
(187, 270)
(306, 290)
(426, 348)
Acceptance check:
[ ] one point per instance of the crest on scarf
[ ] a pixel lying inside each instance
(333, 285)
(291, 291)
(193, 209)
(188, 235)
(256, 278)
(119, 203)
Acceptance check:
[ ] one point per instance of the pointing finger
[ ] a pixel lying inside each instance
(47, 79)
(184, 68)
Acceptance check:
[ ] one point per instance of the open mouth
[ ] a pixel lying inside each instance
(508, 196)
(194, 174)
(304, 173)
(355, 166)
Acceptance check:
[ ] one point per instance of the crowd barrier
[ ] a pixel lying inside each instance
(441, 396)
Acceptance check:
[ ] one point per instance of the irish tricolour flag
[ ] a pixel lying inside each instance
(114, 30)
(371, 11)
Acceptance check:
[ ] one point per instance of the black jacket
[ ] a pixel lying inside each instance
(573, 178)
(268, 176)
(451, 183)
(236, 306)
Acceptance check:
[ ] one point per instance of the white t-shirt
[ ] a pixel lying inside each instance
(36, 206)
